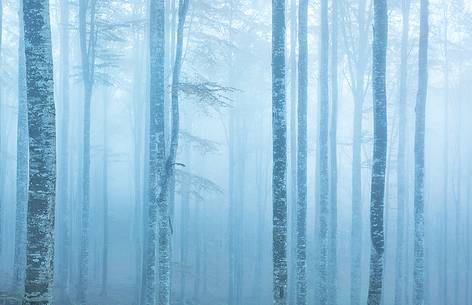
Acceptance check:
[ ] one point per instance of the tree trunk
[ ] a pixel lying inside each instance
(333, 187)
(42, 153)
(169, 168)
(65, 234)
(358, 77)
(323, 187)
(156, 147)
(302, 152)
(21, 165)
(105, 200)
(279, 151)
(293, 151)
(184, 222)
(419, 154)
(379, 152)
(445, 270)
(2, 158)
(402, 177)
(87, 51)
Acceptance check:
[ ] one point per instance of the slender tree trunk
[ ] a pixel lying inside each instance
(232, 210)
(279, 151)
(184, 219)
(42, 153)
(87, 51)
(333, 187)
(293, 150)
(380, 151)
(2, 157)
(323, 187)
(21, 165)
(402, 177)
(64, 258)
(156, 147)
(302, 152)
(163, 203)
(445, 271)
(419, 153)
(356, 182)
(105, 223)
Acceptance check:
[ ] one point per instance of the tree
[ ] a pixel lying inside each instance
(419, 153)
(21, 164)
(42, 153)
(88, 39)
(2, 170)
(105, 223)
(379, 49)
(279, 155)
(156, 147)
(322, 165)
(357, 52)
(64, 251)
(401, 162)
(333, 183)
(293, 150)
(169, 167)
(302, 152)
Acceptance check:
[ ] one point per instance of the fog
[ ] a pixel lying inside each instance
(224, 152)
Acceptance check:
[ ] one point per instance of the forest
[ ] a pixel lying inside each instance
(235, 152)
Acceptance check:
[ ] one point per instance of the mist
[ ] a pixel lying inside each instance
(235, 152)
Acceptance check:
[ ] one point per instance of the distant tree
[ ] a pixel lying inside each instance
(322, 164)
(21, 164)
(420, 152)
(357, 51)
(42, 153)
(64, 239)
(2, 169)
(279, 151)
(402, 179)
(333, 162)
(379, 153)
(302, 152)
(88, 44)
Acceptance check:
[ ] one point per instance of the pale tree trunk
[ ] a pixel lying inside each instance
(302, 152)
(445, 269)
(322, 165)
(2, 158)
(156, 148)
(402, 177)
(21, 165)
(379, 152)
(358, 73)
(419, 154)
(164, 220)
(333, 184)
(184, 225)
(42, 153)
(279, 158)
(104, 199)
(87, 38)
(293, 151)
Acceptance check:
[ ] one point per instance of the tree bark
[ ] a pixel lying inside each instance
(21, 164)
(323, 175)
(419, 153)
(379, 152)
(42, 153)
(279, 157)
(402, 177)
(302, 152)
